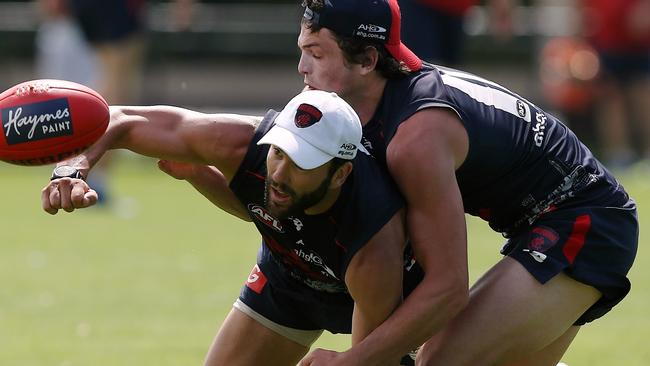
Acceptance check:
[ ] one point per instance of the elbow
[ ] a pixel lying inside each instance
(116, 113)
(118, 121)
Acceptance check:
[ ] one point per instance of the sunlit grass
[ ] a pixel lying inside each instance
(149, 279)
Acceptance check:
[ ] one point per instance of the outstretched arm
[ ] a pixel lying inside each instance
(166, 132)
(178, 134)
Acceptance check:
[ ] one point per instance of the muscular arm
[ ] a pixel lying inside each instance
(374, 280)
(165, 132)
(179, 134)
(425, 173)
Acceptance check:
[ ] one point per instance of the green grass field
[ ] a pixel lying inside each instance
(148, 281)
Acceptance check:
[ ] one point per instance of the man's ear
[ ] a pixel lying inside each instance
(340, 175)
(370, 58)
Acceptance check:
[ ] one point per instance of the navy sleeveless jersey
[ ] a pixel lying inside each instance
(521, 162)
(315, 250)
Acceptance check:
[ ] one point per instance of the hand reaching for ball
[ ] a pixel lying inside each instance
(67, 194)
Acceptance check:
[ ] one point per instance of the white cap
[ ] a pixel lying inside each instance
(314, 127)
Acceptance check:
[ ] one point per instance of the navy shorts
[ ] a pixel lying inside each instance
(595, 245)
(287, 302)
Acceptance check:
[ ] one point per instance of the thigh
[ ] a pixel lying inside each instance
(595, 245)
(510, 316)
(242, 341)
(551, 354)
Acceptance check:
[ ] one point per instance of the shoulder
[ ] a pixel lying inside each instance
(249, 154)
(429, 134)
(406, 96)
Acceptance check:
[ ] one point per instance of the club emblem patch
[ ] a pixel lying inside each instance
(307, 115)
(542, 238)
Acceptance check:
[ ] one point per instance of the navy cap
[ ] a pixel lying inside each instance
(371, 19)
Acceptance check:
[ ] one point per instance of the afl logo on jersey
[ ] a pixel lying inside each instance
(307, 115)
(265, 217)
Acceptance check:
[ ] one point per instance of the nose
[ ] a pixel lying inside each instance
(280, 172)
(302, 64)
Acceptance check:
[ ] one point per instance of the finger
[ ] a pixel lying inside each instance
(307, 360)
(65, 191)
(45, 199)
(90, 198)
(163, 165)
(55, 197)
(78, 192)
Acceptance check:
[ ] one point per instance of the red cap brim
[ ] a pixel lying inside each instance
(394, 44)
(402, 53)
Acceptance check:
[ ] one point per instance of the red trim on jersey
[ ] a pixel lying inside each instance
(577, 239)
(254, 174)
(345, 249)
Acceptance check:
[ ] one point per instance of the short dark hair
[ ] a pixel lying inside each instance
(354, 48)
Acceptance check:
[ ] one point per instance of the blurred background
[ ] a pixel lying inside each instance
(242, 54)
(586, 60)
(150, 278)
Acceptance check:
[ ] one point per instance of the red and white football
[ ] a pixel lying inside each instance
(46, 121)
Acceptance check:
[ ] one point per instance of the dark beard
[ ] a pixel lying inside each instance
(300, 203)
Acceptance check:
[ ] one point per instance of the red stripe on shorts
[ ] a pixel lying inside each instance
(577, 239)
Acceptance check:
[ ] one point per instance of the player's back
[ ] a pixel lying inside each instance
(521, 161)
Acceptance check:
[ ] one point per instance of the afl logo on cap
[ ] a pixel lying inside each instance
(307, 115)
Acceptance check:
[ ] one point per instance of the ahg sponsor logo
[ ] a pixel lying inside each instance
(371, 28)
(371, 31)
(262, 215)
(347, 150)
(37, 121)
(315, 259)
